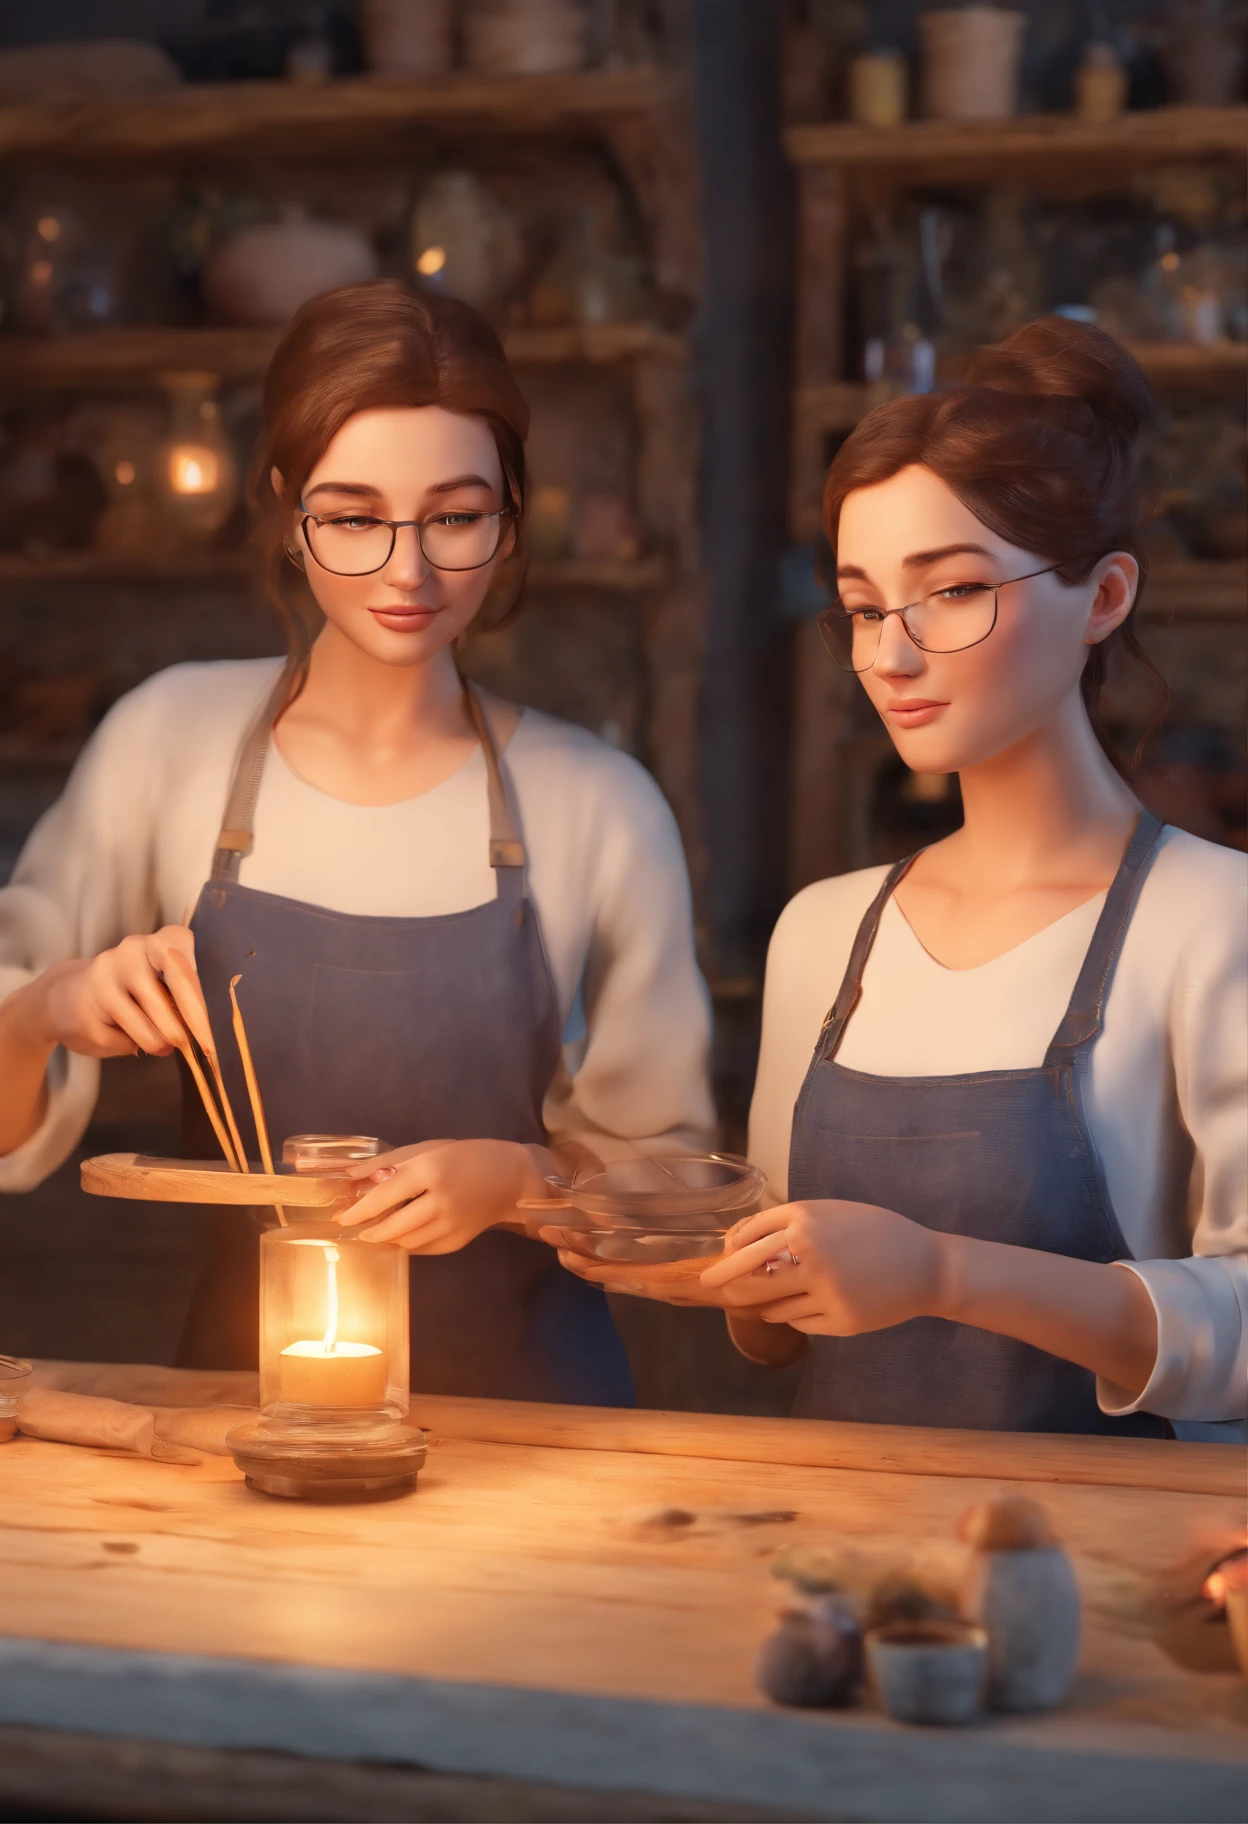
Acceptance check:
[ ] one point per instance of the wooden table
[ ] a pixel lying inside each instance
(577, 1596)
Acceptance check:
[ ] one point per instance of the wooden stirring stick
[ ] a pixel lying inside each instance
(191, 982)
(253, 1088)
(210, 1107)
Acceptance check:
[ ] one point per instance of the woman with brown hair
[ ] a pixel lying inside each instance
(460, 925)
(1001, 1097)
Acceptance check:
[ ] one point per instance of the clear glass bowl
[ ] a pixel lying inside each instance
(655, 1211)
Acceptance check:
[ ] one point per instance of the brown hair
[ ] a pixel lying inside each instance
(1041, 445)
(362, 348)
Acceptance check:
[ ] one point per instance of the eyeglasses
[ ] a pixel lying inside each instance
(948, 620)
(357, 544)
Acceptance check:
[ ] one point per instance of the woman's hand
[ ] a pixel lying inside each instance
(142, 995)
(830, 1269)
(436, 1197)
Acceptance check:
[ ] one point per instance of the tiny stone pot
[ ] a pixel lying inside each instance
(814, 1659)
(1028, 1602)
(929, 1671)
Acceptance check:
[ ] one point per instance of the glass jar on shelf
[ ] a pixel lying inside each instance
(199, 473)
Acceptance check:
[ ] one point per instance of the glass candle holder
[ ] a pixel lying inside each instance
(13, 1373)
(333, 1328)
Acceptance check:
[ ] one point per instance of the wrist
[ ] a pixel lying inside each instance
(947, 1274)
(26, 1015)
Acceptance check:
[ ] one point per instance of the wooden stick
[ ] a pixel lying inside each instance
(253, 1088)
(191, 981)
(210, 1107)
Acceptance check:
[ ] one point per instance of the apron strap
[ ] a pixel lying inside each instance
(1082, 1020)
(850, 991)
(506, 850)
(240, 806)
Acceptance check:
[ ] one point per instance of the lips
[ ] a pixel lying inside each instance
(914, 712)
(405, 620)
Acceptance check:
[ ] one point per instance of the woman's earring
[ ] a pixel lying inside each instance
(295, 556)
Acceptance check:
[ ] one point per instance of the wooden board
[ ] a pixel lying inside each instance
(583, 1614)
(931, 149)
(203, 1181)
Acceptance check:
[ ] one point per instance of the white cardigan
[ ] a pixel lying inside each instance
(1166, 1096)
(129, 844)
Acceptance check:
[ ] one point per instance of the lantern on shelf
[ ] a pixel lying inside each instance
(333, 1351)
(199, 476)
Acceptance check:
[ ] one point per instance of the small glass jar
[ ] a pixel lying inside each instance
(13, 1373)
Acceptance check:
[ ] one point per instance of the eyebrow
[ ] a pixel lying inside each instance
(360, 490)
(918, 560)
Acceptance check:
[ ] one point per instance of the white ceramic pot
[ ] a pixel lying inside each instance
(262, 275)
(407, 37)
(971, 56)
(1028, 1603)
(928, 1671)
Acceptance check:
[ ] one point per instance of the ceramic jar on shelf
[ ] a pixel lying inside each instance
(970, 62)
(406, 39)
(525, 37)
(263, 273)
(463, 240)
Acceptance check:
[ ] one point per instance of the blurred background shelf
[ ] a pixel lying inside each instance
(930, 151)
(135, 356)
(358, 115)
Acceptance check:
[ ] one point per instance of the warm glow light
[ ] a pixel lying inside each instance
(48, 228)
(1169, 262)
(1231, 1574)
(194, 469)
(124, 473)
(432, 260)
(41, 271)
(328, 1372)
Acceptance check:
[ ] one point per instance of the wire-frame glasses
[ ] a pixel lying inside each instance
(949, 620)
(359, 544)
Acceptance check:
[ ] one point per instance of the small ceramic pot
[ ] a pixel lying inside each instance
(1028, 1601)
(929, 1671)
(878, 81)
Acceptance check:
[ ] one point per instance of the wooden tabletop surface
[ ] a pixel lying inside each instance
(578, 1595)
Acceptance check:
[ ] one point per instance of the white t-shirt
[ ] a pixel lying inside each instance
(1166, 1096)
(129, 844)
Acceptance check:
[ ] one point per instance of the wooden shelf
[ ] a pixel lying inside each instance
(933, 150)
(130, 357)
(629, 576)
(358, 115)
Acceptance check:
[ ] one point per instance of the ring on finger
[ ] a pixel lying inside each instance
(785, 1258)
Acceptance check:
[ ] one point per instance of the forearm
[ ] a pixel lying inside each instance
(24, 1054)
(770, 1345)
(1098, 1316)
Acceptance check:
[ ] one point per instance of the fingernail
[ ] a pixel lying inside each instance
(382, 1173)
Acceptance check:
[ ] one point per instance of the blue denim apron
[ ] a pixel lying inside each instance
(415, 1029)
(1001, 1155)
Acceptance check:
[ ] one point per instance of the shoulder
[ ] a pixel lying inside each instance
(183, 700)
(825, 915)
(1193, 904)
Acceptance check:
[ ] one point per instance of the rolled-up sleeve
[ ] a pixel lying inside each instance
(1200, 1377)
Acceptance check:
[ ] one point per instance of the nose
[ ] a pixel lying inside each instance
(898, 656)
(408, 567)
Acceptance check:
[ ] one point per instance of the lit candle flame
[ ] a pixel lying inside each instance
(194, 469)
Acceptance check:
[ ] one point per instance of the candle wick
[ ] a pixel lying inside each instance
(330, 1342)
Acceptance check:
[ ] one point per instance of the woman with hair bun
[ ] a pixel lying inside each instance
(460, 925)
(1003, 1088)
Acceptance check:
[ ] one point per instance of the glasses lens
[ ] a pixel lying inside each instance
(851, 638)
(460, 541)
(350, 545)
(953, 619)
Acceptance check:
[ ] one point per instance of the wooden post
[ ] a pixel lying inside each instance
(745, 379)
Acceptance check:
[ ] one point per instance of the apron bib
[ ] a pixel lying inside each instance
(415, 1029)
(1002, 1155)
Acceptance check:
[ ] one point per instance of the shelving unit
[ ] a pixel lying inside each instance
(844, 170)
(634, 117)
